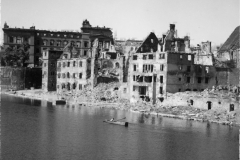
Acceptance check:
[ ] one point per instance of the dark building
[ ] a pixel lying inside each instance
(41, 40)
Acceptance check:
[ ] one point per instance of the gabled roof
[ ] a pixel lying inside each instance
(145, 41)
(232, 43)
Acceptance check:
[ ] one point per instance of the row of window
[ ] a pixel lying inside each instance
(67, 75)
(139, 89)
(63, 43)
(68, 86)
(59, 35)
(68, 64)
(148, 68)
(199, 79)
(161, 56)
(18, 40)
(147, 79)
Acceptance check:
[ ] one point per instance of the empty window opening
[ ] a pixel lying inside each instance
(74, 86)
(134, 67)
(68, 75)
(188, 89)
(209, 103)
(85, 53)
(80, 64)
(139, 78)
(150, 56)
(179, 90)
(161, 79)
(148, 79)
(134, 78)
(206, 80)
(85, 44)
(207, 69)
(51, 43)
(189, 57)
(188, 68)
(80, 75)
(195, 90)
(231, 107)
(162, 56)
(68, 64)
(199, 79)
(151, 40)
(74, 63)
(135, 57)
(180, 67)
(188, 79)
(179, 79)
(155, 78)
(144, 57)
(161, 67)
(161, 90)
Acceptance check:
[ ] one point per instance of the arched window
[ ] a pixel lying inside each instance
(68, 75)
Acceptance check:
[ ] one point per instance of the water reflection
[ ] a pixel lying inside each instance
(38, 130)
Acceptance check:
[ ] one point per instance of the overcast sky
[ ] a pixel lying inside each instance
(203, 20)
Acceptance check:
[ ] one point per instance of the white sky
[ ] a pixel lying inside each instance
(203, 20)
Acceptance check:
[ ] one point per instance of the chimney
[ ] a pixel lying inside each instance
(172, 26)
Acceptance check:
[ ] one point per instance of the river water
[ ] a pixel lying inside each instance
(33, 129)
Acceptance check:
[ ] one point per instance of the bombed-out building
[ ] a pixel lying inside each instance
(166, 66)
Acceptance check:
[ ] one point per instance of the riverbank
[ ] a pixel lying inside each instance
(179, 112)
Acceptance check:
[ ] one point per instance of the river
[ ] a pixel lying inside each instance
(34, 129)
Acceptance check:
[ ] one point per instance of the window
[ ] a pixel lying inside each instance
(59, 75)
(85, 44)
(80, 64)
(65, 43)
(188, 68)
(58, 43)
(63, 75)
(151, 40)
(180, 67)
(59, 64)
(74, 75)
(68, 75)
(80, 86)
(161, 79)
(44, 42)
(72, 43)
(188, 79)
(45, 64)
(11, 39)
(134, 67)
(161, 67)
(78, 44)
(85, 53)
(74, 63)
(206, 80)
(181, 57)
(179, 79)
(150, 56)
(207, 69)
(161, 90)
(144, 57)
(68, 64)
(147, 68)
(80, 75)
(179, 90)
(199, 79)
(134, 88)
(141, 49)
(125, 90)
(189, 57)
(37, 50)
(162, 56)
(37, 42)
(135, 57)
(19, 40)
(51, 42)
(151, 50)
(63, 64)
(134, 78)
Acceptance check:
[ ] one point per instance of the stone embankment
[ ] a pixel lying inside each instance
(106, 95)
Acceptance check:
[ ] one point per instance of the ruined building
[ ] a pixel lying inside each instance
(168, 65)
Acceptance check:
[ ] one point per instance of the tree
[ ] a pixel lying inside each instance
(16, 55)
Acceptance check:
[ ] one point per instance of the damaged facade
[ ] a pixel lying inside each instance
(168, 65)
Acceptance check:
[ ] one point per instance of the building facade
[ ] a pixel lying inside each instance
(41, 40)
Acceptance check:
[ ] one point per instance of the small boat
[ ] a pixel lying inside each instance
(117, 122)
